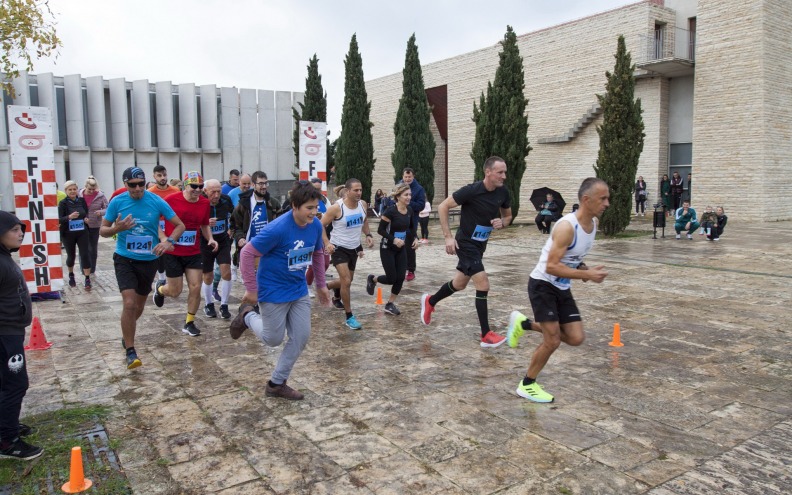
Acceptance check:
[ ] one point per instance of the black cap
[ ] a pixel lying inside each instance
(133, 173)
(316, 180)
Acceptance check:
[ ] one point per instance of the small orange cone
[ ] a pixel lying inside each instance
(616, 337)
(379, 295)
(77, 480)
(37, 339)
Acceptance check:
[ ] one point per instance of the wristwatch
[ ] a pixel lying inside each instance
(170, 240)
(369, 235)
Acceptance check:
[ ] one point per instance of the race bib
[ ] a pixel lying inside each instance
(400, 235)
(140, 244)
(219, 227)
(187, 238)
(301, 258)
(162, 225)
(353, 221)
(76, 225)
(481, 233)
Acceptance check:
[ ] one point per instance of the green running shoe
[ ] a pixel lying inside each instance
(533, 392)
(515, 330)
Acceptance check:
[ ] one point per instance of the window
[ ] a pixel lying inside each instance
(680, 159)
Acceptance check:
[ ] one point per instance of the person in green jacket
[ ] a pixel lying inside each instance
(665, 193)
(685, 220)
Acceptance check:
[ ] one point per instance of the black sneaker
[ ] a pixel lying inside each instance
(25, 430)
(209, 311)
(132, 360)
(338, 304)
(191, 330)
(158, 298)
(21, 450)
(224, 313)
(87, 283)
(371, 282)
(72, 282)
(392, 309)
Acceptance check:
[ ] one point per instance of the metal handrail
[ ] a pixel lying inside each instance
(667, 43)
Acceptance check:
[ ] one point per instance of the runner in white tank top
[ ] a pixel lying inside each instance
(349, 220)
(557, 316)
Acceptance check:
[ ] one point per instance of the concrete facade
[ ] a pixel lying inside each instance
(101, 127)
(731, 72)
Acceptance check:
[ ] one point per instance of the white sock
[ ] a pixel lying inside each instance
(161, 275)
(207, 293)
(224, 290)
(233, 273)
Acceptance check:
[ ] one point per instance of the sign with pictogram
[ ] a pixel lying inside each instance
(313, 151)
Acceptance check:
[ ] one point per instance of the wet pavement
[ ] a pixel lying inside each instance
(697, 400)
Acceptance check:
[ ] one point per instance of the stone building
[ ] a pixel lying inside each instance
(714, 78)
(100, 127)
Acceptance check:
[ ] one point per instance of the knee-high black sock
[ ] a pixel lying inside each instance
(445, 291)
(481, 309)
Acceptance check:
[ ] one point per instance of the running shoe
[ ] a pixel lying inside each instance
(21, 450)
(87, 283)
(534, 392)
(392, 309)
(410, 276)
(72, 282)
(283, 391)
(25, 430)
(190, 329)
(424, 241)
(224, 313)
(492, 339)
(338, 303)
(158, 298)
(209, 310)
(238, 325)
(371, 282)
(353, 323)
(132, 360)
(426, 310)
(678, 236)
(515, 330)
(216, 295)
(690, 237)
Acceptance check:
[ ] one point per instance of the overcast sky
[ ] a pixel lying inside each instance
(266, 44)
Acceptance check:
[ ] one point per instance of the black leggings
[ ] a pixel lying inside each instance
(93, 240)
(72, 240)
(424, 222)
(395, 265)
(640, 201)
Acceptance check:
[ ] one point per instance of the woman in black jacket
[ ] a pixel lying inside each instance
(640, 196)
(716, 231)
(72, 211)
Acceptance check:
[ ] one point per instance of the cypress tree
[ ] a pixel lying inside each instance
(313, 108)
(354, 151)
(414, 146)
(501, 121)
(621, 141)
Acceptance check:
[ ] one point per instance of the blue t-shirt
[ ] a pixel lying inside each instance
(287, 250)
(138, 242)
(234, 195)
(226, 188)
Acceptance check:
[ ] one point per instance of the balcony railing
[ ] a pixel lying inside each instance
(667, 43)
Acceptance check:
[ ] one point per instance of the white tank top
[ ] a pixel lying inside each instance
(581, 244)
(347, 228)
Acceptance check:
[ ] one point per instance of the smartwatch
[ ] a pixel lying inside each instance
(170, 240)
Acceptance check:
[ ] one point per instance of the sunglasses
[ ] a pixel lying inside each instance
(133, 185)
(197, 186)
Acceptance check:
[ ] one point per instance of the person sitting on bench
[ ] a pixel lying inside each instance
(547, 215)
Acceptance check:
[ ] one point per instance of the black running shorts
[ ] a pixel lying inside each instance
(549, 303)
(222, 255)
(134, 274)
(470, 262)
(175, 266)
(343, 255)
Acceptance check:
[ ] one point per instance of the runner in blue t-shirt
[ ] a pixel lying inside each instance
(286, 247)
(134, 218)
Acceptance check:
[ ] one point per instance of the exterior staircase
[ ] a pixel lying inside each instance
(588, 118)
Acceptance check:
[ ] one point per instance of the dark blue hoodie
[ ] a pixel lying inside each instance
(16, 311)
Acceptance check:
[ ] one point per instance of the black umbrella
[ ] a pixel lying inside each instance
(539, 196)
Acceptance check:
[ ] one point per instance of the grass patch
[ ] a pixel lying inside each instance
(56, 432)
(627, 234)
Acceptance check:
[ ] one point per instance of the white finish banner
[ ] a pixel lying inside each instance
(313, 151)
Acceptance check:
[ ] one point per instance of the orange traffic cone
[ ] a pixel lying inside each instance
(379, 295)
(77, 480)
(37, 339)
(616, 337)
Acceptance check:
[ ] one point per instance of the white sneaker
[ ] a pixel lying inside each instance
(679, 236)
(643, 214)
(636, 213)
(690, 237)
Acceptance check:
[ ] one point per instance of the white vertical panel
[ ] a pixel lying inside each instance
(248, 124)
(229, 104)
(188, 118)
(6, 178)
(284, 133)
(267, 144)
(46, 96)
(141, 114)
(209, 117)
(97, 128)
(22, 89)
(75, 119)
(102, 166)
(164, 99)
(119, 116)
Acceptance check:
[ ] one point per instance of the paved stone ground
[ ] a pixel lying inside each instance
(697, 401)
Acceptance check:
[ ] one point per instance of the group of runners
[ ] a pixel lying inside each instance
(187, 233)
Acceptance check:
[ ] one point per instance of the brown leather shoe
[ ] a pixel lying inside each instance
(282, 390)
(238, 326)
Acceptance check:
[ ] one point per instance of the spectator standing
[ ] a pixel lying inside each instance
(378, 201)
(640, 196)
(71, 216)
(665, 193)
(676, 190)
(423, 219)
(97, 205)
(689, 193)
(416, 205)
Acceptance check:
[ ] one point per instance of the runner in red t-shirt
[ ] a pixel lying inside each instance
(185, 259)
(163, 190)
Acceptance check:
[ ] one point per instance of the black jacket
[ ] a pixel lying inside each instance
(240, 218)
(16, 311)
(66, 207)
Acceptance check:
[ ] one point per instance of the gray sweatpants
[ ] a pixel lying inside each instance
(277, 320)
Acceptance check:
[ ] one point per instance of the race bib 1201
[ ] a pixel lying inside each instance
(299, 259)
(481, 233)
(140, 244)
(76, 225)
(187, 238)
